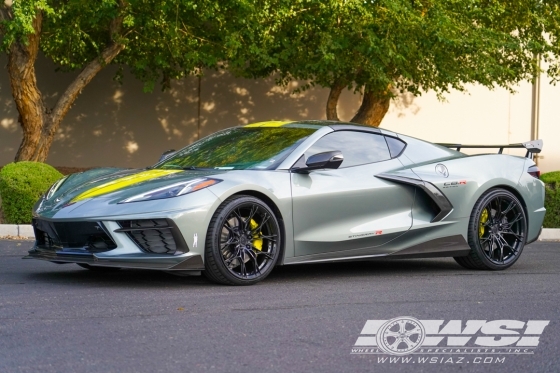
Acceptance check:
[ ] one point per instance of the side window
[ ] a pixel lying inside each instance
(396, 146)
(356, 147)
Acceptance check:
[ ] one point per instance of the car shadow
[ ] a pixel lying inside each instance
(368, 268)
(137, 278)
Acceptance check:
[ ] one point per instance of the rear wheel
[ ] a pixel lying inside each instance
(243, 242)
(497, 231)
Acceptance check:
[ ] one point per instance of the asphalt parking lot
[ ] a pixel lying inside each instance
(307, 318)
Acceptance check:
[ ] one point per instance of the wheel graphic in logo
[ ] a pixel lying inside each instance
(401, 336)
(442, 170)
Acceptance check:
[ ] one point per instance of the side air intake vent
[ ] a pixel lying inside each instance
(440, 202)
(157, 236)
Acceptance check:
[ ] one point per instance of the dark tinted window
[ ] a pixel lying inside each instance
(356, 147)
(396, 146)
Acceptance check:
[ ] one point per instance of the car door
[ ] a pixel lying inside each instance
(349, 209)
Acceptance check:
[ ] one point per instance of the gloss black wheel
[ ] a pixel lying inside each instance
(243, 242)
(497, 231)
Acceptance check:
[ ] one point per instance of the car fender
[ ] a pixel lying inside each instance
(275, 185)
(464, 180)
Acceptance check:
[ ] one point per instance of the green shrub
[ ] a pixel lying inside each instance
(21, 185)
(552, 199)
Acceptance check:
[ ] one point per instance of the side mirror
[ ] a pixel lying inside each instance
(330, 160)
(166, 154)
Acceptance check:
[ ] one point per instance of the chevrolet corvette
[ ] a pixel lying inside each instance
(241, 201)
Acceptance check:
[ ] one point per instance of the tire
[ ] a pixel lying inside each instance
(242, 243)
(497, 231)
(99, 269)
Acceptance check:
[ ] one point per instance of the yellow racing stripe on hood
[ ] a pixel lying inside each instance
(271, 123)
(123, 182)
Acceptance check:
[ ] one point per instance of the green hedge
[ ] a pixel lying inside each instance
(21, 185)
(552, 199)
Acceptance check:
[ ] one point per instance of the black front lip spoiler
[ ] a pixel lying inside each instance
(184, 262)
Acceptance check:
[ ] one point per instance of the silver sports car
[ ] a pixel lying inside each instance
(239, 202)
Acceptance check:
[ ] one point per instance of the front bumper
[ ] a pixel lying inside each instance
(146, 244)
(183, 262)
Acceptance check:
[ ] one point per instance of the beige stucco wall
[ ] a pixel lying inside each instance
(119, 125)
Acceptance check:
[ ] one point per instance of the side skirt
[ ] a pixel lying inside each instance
(439, 247)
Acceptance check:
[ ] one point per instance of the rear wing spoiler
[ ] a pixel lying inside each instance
(532, 147)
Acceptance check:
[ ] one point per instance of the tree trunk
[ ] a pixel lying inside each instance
(39, 124)
(26, 94)
(332, 101)
(373, 109)
(68, 97)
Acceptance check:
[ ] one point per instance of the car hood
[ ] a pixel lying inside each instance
(115, 184)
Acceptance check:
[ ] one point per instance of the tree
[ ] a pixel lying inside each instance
(157, 40)
(383, 47)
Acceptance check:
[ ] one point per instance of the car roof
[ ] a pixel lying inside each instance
(335, 125)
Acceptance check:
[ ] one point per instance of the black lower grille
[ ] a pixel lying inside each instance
(88, 236)
(158, 236)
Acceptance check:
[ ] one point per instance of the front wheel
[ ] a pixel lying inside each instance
(497, 231)
(243, 242)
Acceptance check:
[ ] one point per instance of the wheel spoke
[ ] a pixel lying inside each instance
(512, 204)
(267, 255)
(510, 232)
(243, 268)
(254, 209)
(519, 217)
(498, 207)
(395, 343)
(270, 237)
(229, 227)
(230, 260)
(389, 333)
(416, 330)
(491, 247)
(263, 222)
(511, 248)
(407, 341)
(501, 245)
(230, 241)
(255, 261)
(241, 222)
(485, 239)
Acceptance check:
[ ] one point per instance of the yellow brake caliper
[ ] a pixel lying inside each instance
(483, 219)
(257, 237)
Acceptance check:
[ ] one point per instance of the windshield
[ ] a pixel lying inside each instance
(240, 148)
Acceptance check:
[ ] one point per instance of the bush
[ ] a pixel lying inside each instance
(21, 185)
(552, 199)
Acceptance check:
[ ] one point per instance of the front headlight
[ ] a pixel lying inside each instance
(174, 190)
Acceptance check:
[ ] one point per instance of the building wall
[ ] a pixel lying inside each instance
(119, 125)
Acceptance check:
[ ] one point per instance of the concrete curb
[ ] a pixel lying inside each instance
(26, 230)
(550, 234)
(17, 230)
